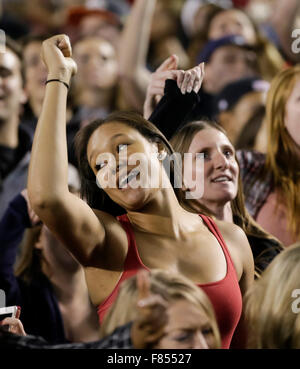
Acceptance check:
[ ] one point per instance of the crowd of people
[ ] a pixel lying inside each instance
(150, 174)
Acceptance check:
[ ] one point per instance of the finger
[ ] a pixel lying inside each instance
(180, 77)
(198, 84)
(143, 284)
(65, 46)
(170, 63)
(18, 313)
(184, 85)
(193, 79)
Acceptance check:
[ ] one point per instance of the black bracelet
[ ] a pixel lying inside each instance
(57, 80)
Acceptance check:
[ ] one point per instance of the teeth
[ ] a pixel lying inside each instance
(221, 179)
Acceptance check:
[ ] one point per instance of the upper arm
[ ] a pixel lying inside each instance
(86, 233)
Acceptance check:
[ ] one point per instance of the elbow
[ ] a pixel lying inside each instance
(41, 202)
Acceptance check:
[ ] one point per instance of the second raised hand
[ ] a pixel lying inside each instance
(191, 80)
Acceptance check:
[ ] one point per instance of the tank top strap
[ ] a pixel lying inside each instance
(133, 259)
(216, 232)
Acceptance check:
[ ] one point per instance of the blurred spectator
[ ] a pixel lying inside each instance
(240, 109)
(191, 321)
(95, 92)
(42, 271)
(227, 60)
(271, 309)
(223, 22)
(271, 181)
(150, 36)
(284, 20)
(15, 140)
(91, 22)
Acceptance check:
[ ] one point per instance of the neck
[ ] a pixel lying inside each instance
(96, 98)
(172, 220)
(9, 135)
(222, 211)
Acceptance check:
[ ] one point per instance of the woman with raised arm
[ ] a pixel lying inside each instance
(152, 230)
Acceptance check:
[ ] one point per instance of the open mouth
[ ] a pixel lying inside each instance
(222, 179)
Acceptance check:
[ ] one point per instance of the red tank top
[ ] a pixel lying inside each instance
(225, 295)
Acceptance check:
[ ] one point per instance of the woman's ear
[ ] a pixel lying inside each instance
(161, 151)
(161, 155)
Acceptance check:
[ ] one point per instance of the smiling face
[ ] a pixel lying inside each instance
(188, 328)
(292, 114)
(220, 166)
(119, 153)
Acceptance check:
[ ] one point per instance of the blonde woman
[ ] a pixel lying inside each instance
(191, 321)
(272, 181)
(272, 310)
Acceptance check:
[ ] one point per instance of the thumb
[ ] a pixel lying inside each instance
(170, 63)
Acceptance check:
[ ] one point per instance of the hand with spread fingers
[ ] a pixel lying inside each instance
(155, 90)
(152, 316)
(187, 81)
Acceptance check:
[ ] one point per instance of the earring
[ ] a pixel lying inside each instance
(161, 155)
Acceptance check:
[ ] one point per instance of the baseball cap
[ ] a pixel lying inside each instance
(212, 45)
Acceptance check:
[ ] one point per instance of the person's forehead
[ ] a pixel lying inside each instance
(10, 60)
(209, 136)
(94, 44)
(103, 135)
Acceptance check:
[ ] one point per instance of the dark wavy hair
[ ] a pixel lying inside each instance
(90, 191)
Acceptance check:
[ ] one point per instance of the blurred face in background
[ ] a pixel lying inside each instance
(35, 75)
(188, 327)
(11, 85)
(227, 64)
(292, 114)
(232, 22)
(97, 64)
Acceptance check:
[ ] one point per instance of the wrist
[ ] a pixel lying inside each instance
(61, 74)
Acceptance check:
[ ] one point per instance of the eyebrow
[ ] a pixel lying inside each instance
(113, 138)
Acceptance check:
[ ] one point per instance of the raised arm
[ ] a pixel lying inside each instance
(133, 50)
(67, 216)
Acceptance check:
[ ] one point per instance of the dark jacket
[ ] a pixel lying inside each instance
(40, 313)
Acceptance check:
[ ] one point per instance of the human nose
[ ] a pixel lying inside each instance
(200, 341)
(220, 161)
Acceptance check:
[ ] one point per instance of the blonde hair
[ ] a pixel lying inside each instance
(171, 287)
(271, 321)
(282, 160)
